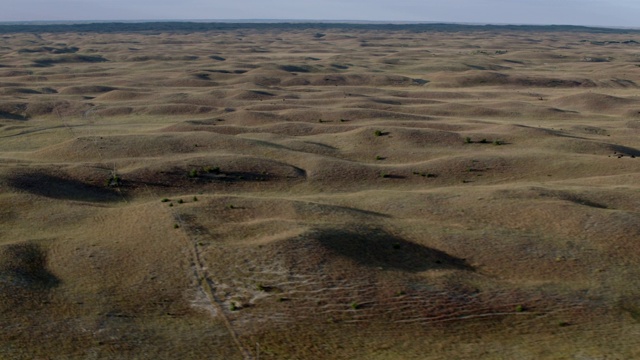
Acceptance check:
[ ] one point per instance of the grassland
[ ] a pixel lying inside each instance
(319, 192)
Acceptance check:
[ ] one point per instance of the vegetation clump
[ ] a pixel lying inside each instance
(114, 180)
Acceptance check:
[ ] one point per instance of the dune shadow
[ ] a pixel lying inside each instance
(11, 116)
(25, 265)
(625, 150)
(378, 248)
(62, 188)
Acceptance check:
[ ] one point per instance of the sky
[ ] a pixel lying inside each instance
(615, 13)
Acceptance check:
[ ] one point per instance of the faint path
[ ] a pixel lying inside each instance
(206, 285)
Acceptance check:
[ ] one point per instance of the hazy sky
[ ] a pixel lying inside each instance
(573, 12)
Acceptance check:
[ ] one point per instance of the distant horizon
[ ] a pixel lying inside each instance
(310, 21)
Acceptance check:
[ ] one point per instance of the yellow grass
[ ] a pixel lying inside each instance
(370, 195)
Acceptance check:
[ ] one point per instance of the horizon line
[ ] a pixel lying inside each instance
(310, 21)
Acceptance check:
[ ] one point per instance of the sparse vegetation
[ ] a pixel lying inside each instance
(113, 180)
(211, 170)
(337, 245)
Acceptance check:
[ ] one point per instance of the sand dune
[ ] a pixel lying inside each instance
(319, 193)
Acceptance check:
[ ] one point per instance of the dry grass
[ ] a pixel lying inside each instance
(375, 195)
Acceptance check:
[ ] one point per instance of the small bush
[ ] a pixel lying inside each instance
(378, 157)
(113, 181)
(467, 140)
(355, 306)
(193, 173)
(165, 200)
(519, 308)
(180, 201)
(195, 198)
(176, 226)
(377, 133)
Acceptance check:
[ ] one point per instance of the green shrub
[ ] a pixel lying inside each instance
(113, 180)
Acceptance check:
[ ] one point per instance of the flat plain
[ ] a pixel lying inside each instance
(334, 193)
